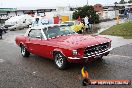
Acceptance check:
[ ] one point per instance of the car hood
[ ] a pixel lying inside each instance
(76, 41)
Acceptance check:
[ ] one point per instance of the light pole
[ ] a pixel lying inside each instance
(115, 9)
(87, 2)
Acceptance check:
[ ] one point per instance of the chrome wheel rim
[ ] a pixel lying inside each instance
(59, 60)
(23, 50)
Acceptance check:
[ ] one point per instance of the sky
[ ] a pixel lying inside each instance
(52, 3)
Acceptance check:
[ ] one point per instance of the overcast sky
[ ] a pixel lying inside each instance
(52, 3)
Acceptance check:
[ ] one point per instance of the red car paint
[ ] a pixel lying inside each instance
(64, 44)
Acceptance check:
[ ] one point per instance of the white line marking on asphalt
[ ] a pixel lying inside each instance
(120, 56)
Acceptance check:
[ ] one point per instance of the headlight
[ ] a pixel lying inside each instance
(74, 52)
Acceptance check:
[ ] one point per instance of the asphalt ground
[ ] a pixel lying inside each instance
(38, 72)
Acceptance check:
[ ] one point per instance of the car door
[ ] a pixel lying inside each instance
(47, 45)
(34, 41)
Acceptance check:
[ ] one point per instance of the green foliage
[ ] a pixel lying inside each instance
(86, 11)
(116, 3)
(124, 30)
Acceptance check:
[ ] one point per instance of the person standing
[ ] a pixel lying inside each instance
(82, 21)
(86, 23)
(1, 33)
(79, 19)
(90, 23)
(36, 22)
(86, 20)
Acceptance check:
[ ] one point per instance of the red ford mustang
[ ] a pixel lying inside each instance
(62, 44)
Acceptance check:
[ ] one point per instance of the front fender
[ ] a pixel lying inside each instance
(58, 50)
(65, 52)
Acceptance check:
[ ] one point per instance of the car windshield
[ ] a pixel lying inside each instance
(58, 31)
(69, 23)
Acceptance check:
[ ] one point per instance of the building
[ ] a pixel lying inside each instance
(9, 12)
(111, 11)
(98, 7)
(99, 10)
(6, 13)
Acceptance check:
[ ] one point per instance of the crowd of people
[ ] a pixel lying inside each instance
(88, 23)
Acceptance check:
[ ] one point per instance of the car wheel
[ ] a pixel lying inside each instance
(13, 29)
(60, 61)
(24, 52)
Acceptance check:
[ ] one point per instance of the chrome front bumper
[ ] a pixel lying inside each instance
(98, 54)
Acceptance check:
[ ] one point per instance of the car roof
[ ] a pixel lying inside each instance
(49, 25)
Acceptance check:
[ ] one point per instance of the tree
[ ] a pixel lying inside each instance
(86, 11)
(116, 3)
(122, 2)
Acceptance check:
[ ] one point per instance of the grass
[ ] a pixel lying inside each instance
(123, 30)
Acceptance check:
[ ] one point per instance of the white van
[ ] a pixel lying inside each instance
(18, 22)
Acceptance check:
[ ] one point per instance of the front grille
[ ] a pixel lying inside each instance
(95, 50)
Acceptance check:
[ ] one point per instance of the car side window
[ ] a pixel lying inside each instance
(35, 33)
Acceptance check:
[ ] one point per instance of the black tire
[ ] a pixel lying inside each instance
(24, 52)
(13, 29)
(60, 61)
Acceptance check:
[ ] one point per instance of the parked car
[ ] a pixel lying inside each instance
(75, 25)
(18, 22)
(4, 29)
(63, 45)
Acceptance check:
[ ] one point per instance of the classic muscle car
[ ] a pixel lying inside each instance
(63, 45)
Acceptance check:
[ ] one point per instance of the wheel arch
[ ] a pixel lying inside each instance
(21, 43)
(57, 51)
(64, 64)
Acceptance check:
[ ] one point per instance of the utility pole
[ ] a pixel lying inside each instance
(87, 2)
